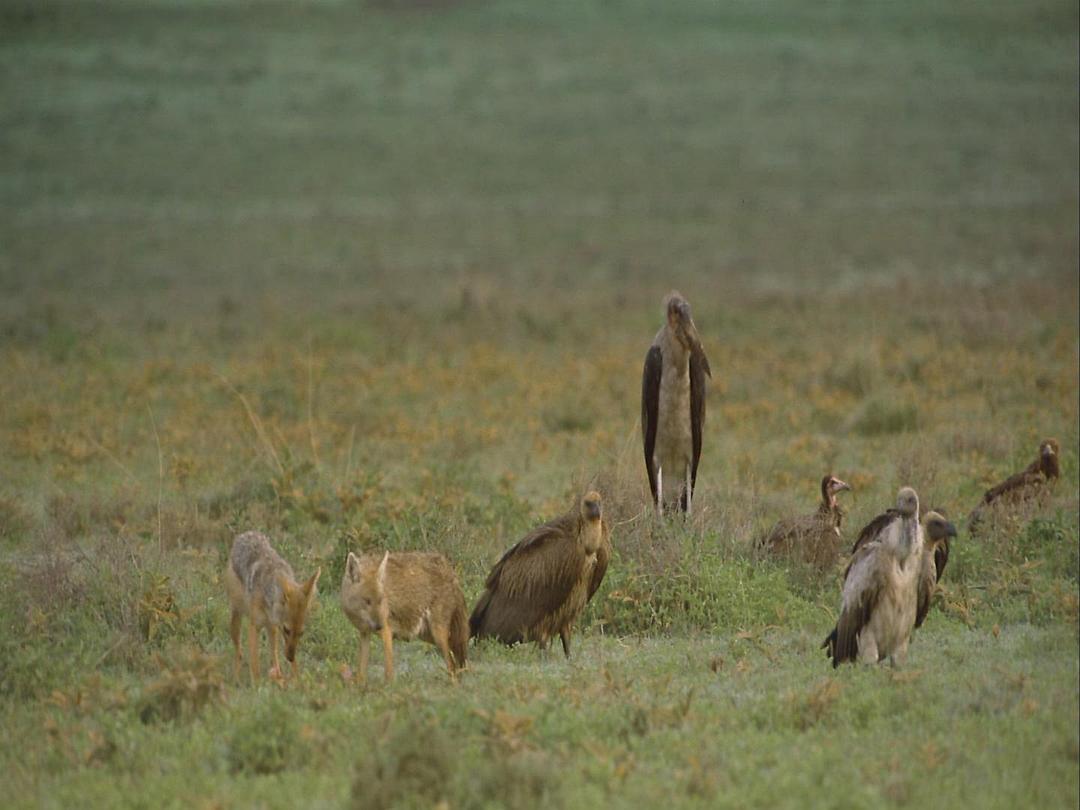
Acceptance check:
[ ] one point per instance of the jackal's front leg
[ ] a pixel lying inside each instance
(362, 658)
(234, 631)
(253, 650)
(388, 650)
(275, 666)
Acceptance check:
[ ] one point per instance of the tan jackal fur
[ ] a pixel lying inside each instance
(408, 595)
(263, 588)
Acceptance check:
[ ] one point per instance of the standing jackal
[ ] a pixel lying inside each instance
(262, 586)
(409, 595)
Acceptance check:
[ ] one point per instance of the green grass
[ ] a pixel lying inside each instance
(365, 275)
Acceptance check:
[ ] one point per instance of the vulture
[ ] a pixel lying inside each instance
(815, 536)
(935, 555)
(880, 593)
(541, 585)
(673, 406)
(1031, 482)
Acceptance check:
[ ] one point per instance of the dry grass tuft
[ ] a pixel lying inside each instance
(810, 708)
(187, 683)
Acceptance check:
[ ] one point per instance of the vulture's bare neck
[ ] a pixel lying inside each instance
(909, 538)
(590, 533)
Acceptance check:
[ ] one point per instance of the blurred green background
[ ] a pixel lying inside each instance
(382, 275)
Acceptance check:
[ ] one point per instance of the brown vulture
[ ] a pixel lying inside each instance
(816, 536)
(1030, 483)
(880, 593)
(673, 406)
(541, 585)
(935, 556)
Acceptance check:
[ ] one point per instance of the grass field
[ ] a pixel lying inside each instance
(382, 275)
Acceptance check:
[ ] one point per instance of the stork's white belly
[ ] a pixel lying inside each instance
(674, 443)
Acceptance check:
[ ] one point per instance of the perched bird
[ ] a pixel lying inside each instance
(880, 593)
(1030, 483)
(542, 584)
(935, 556)
(815, 536)
(673, 406)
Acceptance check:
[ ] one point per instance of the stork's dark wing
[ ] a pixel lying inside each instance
(699, 370)
(603, 555)
(650, 409)
(875, 527)
(863, 586)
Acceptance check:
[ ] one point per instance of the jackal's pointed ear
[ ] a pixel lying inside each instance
(352, 567)
(309, 586)
(285, 585)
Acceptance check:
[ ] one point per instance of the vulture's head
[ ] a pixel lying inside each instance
(830, 486)
(907, 502)
(938, 528)
(591, 512)
(1049, 453)
(681, 322)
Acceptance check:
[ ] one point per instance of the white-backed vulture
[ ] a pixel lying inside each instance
(880, 594)
(814, 537)
(673, 406)
(541, 585)
(1033, 482)
(935, 556)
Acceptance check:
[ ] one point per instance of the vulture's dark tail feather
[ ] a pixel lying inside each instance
(476, 620)
(830, 646)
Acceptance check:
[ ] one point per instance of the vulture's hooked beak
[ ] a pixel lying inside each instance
(592, 510)
(840, 486)
(1047, 451)
(950, 529)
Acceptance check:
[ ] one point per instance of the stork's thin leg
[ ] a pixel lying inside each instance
(660, 491)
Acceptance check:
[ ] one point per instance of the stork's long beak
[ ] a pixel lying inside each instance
(689, 328)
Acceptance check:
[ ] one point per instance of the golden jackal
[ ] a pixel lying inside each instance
(409, 595)
(262, 587)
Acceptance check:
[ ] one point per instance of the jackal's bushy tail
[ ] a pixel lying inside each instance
(459, 637)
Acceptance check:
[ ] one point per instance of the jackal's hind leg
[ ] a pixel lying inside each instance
(441, 636)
